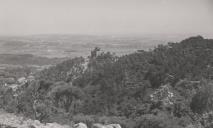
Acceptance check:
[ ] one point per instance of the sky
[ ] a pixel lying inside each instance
(111, 17)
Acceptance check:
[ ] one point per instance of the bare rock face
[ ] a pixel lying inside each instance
(8, 120)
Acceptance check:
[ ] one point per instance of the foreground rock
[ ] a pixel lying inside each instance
(8, 120)
(80, 125)
(97, 125)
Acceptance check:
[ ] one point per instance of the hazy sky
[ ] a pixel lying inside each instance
(18, 17)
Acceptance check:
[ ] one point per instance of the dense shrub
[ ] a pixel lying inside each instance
(203, 100)
(161, 121)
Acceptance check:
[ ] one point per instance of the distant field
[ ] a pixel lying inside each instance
(19, 63)
(27, 59)
(77, 45)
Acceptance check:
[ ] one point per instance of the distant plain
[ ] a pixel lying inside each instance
(60, 46)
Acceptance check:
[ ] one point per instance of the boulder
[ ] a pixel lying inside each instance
(115, 125)
(80, 125)
(97, 125)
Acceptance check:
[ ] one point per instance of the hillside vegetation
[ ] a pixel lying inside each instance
(168, 87)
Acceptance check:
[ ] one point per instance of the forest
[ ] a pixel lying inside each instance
(169, 86)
